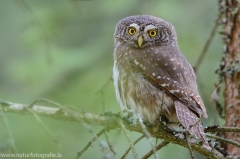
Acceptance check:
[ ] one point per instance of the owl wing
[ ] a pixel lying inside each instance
(167, 69)
(188, 119)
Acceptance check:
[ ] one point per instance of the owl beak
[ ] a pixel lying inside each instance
(140, 40)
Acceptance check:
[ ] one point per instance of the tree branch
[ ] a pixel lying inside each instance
(109, 121)
(161, 145)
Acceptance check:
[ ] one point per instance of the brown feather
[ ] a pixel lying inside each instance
(188, 118)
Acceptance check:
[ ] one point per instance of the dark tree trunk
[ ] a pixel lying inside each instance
(230, 9)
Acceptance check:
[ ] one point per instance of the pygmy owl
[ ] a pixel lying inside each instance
(152, 77)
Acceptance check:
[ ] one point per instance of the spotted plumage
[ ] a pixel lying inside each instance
(152, 77)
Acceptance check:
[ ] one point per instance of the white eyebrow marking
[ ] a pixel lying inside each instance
(149, 27)
(136, 26)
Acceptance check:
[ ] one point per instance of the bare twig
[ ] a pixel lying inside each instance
(222, 129)
(41, 28)
(104, 86)
(197, 122)
(101, 92)
(189, 146)
(67, 109)
(43, 125)
(9, 132)
(8, 146)
(90, 143)
(134, 152)
(215, 99)
(207, 44)
(108, 142)
(158, 147)
(38, 118)
(148, 136)
(224, 140)
(135, 142)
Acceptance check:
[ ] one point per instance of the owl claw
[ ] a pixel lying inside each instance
(176, 130)
(179, 136)
(127, 112)
(130, 116)
(163, 119)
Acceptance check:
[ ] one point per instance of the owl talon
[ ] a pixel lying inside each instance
(163, 120)
(179, 136)
(127, 113)
(131, 116)
(200, 142)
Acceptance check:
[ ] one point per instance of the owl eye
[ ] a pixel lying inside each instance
(132, 31)
(152, 33)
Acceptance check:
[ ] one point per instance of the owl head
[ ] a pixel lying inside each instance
(144, 30)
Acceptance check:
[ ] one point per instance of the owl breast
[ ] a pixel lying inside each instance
(135, 93)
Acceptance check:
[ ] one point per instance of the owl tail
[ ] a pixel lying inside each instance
(188, 119)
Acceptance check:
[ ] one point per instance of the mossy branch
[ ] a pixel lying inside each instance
(109, 121)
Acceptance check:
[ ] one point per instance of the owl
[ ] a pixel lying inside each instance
(151, 75)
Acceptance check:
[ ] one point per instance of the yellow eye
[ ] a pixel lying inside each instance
(152, 32)
(132, 31)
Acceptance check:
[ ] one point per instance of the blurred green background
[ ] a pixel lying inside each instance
(62, 50)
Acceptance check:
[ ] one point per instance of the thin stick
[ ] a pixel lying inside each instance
(90, 143)
(222, 129)
(40, 26)
(134, 152)
(108, 142)
(127, 151)
(207, 44)
(148, 136)
(196, 122)
(6, 125)
(224, 140)
(189, 146)
(101, 92)
(158, 147)
(42, 124)
(104, 86)
(68, 109)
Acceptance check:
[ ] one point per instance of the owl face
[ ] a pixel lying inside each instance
(144, 30)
